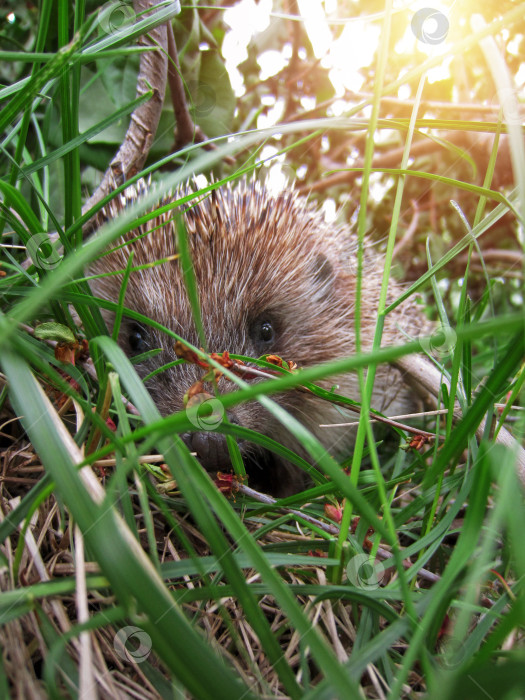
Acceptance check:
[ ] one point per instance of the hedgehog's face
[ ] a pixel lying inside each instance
(260, 336)
(270, 281)
(284, 321)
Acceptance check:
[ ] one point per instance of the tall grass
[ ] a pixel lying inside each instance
(187, 588)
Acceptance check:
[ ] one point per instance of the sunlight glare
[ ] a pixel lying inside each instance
(316, 26)
(344, 57)
(354, 48)
(245, 20)
(271, 63)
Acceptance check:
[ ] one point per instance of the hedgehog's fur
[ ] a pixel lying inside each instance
(258, 257)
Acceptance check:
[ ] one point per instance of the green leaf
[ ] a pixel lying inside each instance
(54, 331)
(212, 98)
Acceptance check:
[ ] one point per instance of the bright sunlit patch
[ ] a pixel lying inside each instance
(378, 187)
(514, 45)
(520, 76)
(316, 26)
(307, 102)
(301, 172)
(404, 92)
(245, 19)
(277, 179)
(424, 24)
(330, 7)
(11, 18)
(354, 49)
(267, 152)
(445, 6)
(338, 108)
(200, 181)
(271, 63)
(343, 57)
(277, 175)
(441, 72)
(272, 116)
(329, 210)
(427, 30)
(385, 136)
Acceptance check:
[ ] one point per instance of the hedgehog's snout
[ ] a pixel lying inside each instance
(210, 448)
(209, 445)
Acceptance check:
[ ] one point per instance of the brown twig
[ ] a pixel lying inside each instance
(186, 131)
(434, 105)
(504, 257)
(409, 233)
(86, 364)
(134, 150)
(325, 527)
(478, 145)
(249, 372)
(426, 379)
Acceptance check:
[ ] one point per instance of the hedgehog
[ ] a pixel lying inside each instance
(274, 277)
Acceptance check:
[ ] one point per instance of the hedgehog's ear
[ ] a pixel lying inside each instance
(323, 276)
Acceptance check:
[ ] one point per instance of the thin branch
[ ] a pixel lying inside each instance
(134, 150)
(330, 528)
(478, 145)
(186, 131)
(426, 379)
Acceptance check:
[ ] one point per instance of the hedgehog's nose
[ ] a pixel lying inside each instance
(210, 447)
(212, 451)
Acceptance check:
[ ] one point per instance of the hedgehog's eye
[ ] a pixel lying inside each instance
(263, 333)
(266, 333)
(137, 339)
